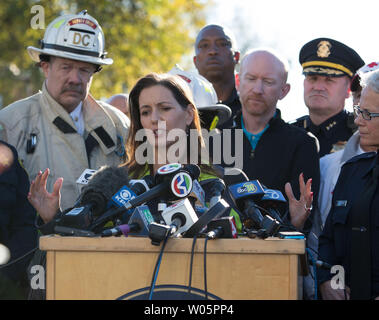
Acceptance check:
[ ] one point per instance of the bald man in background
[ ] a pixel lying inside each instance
(274, 152)
(120, 101)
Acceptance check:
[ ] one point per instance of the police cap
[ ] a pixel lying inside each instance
(328, 57)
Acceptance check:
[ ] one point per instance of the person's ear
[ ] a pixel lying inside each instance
(190, 114)
(45, 67)
(285, 89)
(348, 91)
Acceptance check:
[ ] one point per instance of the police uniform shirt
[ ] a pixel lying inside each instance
(332, 134)
(330, 58)
(374, 234)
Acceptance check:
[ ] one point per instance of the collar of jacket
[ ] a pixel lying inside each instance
(232, 98)
(329, 125)
(96, 119)
(351, 148)
(375, 162)
(274, 120)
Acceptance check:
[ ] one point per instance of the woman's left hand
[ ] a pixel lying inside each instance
(300, 209)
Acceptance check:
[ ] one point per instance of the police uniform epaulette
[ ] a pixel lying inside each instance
(366, 155)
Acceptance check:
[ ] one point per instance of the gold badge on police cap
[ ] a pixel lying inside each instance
(323, 50)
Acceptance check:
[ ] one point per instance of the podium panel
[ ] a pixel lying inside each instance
(119, 267)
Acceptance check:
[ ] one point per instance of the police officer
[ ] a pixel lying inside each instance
(63, 127)
(350, 238)
(328, 66)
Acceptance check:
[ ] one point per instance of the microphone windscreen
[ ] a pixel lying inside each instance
(106, 181)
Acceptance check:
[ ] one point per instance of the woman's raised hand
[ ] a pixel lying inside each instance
(300, 209)
(47, 204)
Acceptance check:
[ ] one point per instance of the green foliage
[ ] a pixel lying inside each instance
(141, 36)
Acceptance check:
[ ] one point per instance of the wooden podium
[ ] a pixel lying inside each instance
(119, 267)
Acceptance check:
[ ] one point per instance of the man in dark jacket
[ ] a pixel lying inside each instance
(17, 230)
(273, 152)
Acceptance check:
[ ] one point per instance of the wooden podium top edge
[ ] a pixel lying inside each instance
(139, 244)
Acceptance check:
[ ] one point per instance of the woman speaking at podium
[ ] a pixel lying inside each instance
(165, 128)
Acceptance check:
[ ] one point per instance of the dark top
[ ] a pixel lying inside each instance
(335, 240)
(338, 128)
(374, 239)
(233, 102)
(17, 231)
(282, 153)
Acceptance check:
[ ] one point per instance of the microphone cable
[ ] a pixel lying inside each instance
(205, 268)
(286, 225)
(157, 266)
(19, 258)
(191, 263)
(314, 271)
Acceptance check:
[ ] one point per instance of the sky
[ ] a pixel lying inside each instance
(287, 25)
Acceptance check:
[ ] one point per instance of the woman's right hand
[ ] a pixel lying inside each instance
(47, 204)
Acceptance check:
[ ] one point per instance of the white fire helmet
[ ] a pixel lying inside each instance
(73, 36)
(205, 98)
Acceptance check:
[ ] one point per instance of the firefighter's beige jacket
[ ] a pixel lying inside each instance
(58, 145)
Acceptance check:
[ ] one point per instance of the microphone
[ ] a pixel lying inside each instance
(130, 191)
(216, 189)
(180, 216)
(224, 227)
(245, 195)
(271, 201)
(173, 183)
(193, 170)
(233, 175)
(213, 213)
(106, 181)
(267, 223)
(123, 196)
(138, 224)
(198, 194)
(142, 185)
(94, 197)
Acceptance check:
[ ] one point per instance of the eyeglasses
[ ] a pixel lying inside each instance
(365, 114)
